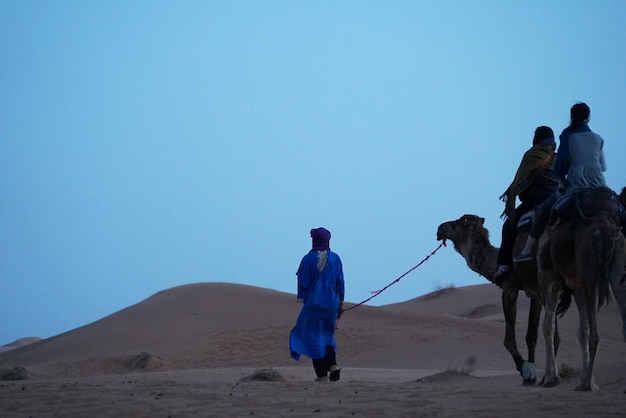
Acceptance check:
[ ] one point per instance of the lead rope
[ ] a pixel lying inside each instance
(378, 292)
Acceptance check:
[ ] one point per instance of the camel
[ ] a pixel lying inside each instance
(586, 258)
(471, 240)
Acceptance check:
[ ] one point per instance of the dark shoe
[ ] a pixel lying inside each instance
(524, 257)
(334, 373)
(501, 272)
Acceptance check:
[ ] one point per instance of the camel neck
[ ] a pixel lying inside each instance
(481, 258)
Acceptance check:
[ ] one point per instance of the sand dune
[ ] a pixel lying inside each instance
(19, 343)
(441, 353)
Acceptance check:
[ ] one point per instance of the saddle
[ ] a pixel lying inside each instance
(587, 203)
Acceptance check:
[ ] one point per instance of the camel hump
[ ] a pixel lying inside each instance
(587, 203)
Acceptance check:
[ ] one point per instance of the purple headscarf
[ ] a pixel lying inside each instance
(321, 239)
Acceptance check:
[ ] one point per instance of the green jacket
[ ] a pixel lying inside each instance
(539, 158)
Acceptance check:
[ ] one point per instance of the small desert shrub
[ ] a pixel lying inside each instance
(140, 361)
(440, 290)
(14, 373)
(264, 375)
(467, 369)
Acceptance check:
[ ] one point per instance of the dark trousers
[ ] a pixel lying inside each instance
(322, 365)
(542, 214)
(534, 197)
(509, 232)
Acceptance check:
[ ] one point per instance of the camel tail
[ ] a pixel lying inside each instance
(604, 239)
(565, 302)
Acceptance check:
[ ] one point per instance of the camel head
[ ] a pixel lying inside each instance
(462, 231)
(471, 240)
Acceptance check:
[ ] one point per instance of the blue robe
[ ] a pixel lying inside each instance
(322, 293)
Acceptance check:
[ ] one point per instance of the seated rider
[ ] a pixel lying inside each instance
(533, 183)
(580, 164)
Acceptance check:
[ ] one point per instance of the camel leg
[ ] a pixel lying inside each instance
(533, 328)
(619, 291)
(534, 316)
(618, 284)
(557, 338)
(588, 339)
(551, 293)
(509, 306)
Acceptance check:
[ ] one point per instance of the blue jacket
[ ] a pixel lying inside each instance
(321, 288)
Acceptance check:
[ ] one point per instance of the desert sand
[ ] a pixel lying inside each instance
(217, 349)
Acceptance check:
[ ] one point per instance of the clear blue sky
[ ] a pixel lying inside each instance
(150, 144)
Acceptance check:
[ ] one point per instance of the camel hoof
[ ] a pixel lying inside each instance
(529, 373)
(549, 382)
